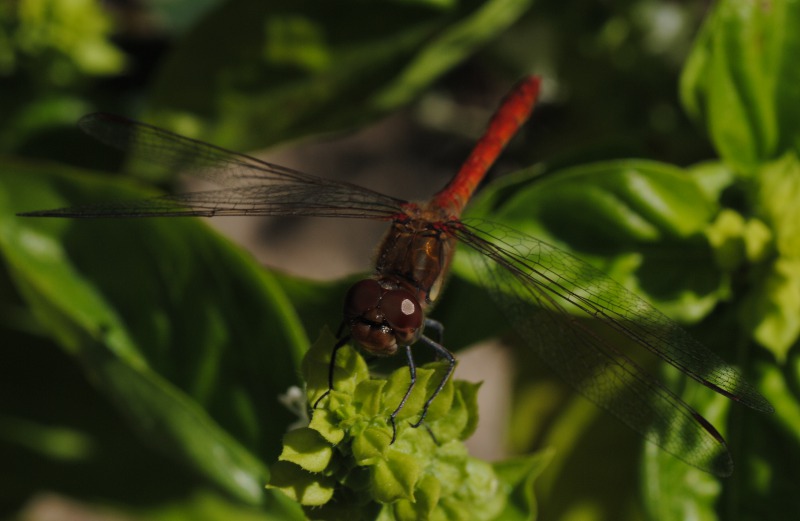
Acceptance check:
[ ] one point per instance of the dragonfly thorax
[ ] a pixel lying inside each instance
(381, 317)
(416, 254)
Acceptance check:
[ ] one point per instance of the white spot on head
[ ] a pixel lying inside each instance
(408, 307)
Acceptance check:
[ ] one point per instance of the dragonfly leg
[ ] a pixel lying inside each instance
(341, 342)
(433, 436)
(438, 327)
(412, 369)
(441, 352)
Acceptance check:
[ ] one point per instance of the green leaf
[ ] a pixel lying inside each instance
(736, 240)
(519, 475)
(395, 477)
(55, 442)
(67, 35)
(207, 505)
(371, 445)
(180, 15)
(399, 383)
(475, 491)
(307, 449)
(60, 432)
(678, 490)
(424, 503)
(764, 475)
(624, 202)
(458, 420)
(291, 68)
(741, 81)
(771, 311)
(326, 423)
(591, 457)
(713, 178)
(178, 425)
(426, 472)
(778, 191)
(349, 372)
(776, 386)
(188, 336)
(454, 44)
(306, 488)
(772, 307)
(681, 490)
(368, 394)
(641, 222)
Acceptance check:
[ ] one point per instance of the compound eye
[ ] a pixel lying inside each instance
(362, 297)
(401, 309)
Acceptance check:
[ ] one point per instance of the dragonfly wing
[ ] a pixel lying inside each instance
(541, 288)
(576, 283)
(250, 186)
(270, 200)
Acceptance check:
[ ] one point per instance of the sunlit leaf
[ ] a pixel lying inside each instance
(284, 69)
(740, 80)
(183, 332)
(641, 222)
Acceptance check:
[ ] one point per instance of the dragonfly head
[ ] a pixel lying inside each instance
(381, 319)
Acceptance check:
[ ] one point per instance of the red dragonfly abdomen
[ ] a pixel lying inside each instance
(389, 310)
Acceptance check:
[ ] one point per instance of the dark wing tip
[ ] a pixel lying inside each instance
(41, 213)
(743, 393)
(100, 116)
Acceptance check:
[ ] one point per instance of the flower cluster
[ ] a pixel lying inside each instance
(343, 464)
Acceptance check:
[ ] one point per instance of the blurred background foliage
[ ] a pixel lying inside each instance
(141, 361)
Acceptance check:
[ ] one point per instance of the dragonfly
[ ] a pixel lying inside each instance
(542, 289)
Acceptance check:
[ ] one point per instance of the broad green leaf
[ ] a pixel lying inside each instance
(175, 423)
(741, 80)
(759, 486)
(777, 390)
(189, 337)
(290, 68)
(58, 432)
(589, 206)
(676, 490)
(765, 482)
(641, 222)
(778, 191)
(771, 310)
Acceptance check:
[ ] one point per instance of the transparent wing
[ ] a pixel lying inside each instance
(540, 288)
(249, 186)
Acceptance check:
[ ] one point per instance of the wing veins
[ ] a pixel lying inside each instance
(643, 324)
(594, 360)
